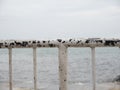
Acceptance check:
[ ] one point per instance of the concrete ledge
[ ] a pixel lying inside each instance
(105, 86)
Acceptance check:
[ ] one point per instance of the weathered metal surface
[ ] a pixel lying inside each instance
(10, 69)
(62, 45)
(62, 67)
(35, 67)
(93, 68)
(97, 42)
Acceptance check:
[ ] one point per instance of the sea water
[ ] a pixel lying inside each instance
(79, 66)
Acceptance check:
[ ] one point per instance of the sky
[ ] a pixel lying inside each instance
(53, 19)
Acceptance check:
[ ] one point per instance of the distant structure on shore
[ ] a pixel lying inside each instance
(117, 79)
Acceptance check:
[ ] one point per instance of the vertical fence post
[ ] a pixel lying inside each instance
(62, 67)
(93, 68)
(10, 69)
(35, 68)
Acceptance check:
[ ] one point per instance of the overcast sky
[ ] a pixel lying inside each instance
(52, 19)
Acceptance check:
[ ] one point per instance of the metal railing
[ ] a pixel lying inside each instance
(62, 46)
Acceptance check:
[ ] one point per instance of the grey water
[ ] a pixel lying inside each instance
(79, 66)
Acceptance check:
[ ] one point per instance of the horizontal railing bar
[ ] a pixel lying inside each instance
(90, 42)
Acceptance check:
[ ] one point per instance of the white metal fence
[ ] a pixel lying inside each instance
(62, 45)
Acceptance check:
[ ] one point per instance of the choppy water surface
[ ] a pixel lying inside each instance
(79, 65)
